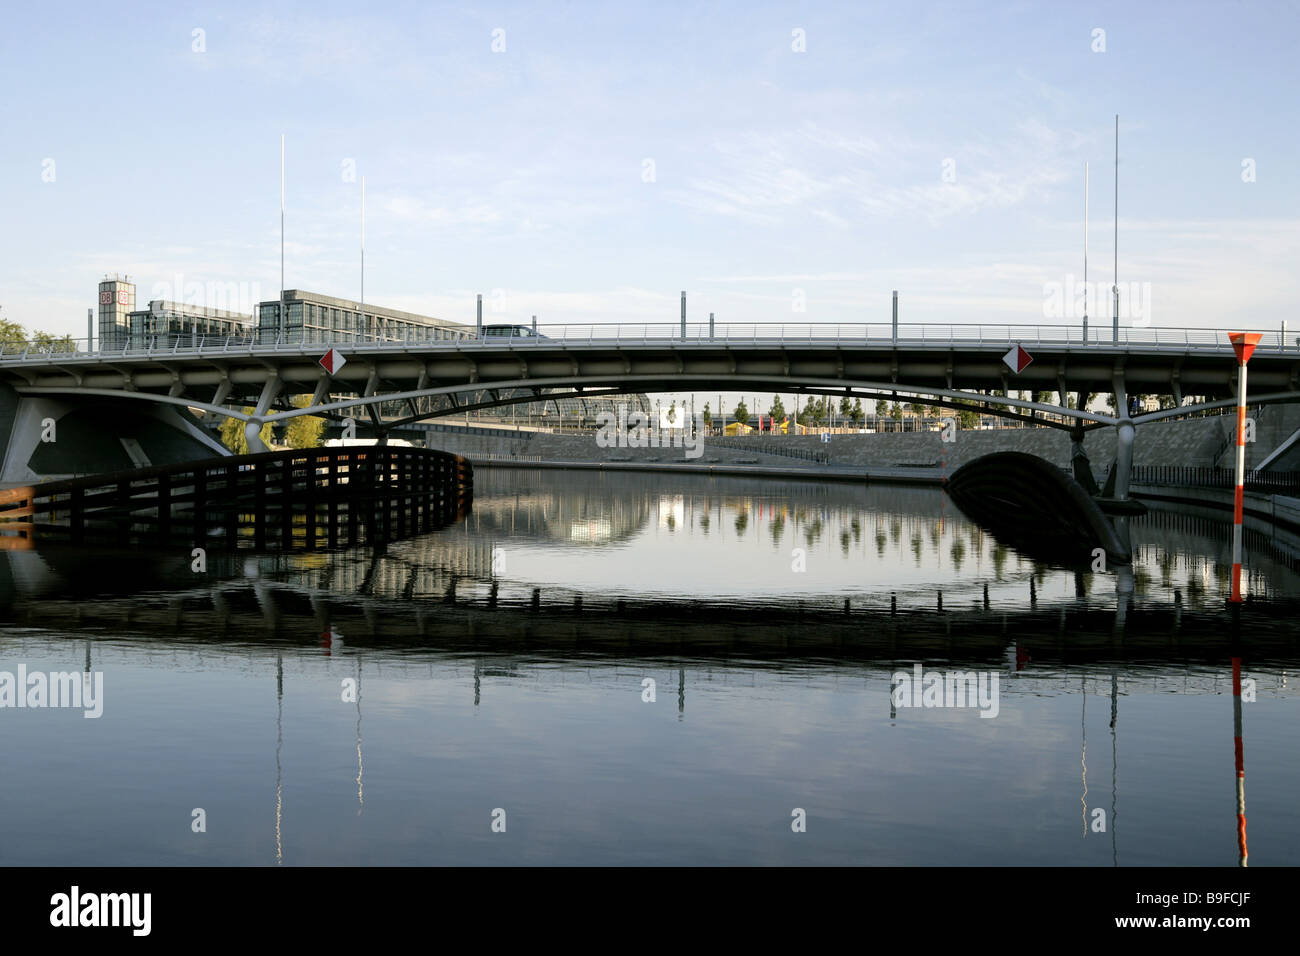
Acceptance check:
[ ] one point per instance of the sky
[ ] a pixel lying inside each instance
(587, 162)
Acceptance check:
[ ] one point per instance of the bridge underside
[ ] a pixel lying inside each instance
(45, 437)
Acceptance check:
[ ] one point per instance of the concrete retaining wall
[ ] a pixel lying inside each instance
(1192, 442)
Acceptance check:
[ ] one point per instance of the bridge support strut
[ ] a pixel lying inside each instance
(253, 428)
(1125, 433)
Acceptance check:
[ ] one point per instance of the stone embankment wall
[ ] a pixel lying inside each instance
(1199, 441)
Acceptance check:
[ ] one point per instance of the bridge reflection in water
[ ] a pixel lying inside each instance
(433, 608)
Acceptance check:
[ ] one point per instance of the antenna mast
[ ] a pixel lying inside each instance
(1115, 288)
(363, 252)
(282, 322)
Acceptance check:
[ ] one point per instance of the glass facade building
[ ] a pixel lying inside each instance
(310, 317)
(175, 324)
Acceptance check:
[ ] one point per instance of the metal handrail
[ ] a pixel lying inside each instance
(927, 336)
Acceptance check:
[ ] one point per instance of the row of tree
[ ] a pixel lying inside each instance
(821, 410)
(13, 336)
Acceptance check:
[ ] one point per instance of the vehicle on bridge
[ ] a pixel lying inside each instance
(510, 332)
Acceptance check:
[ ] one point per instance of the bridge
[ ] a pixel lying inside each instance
(953, 366)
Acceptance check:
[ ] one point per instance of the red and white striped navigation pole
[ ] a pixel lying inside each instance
(1243, 343)
(1243, 856)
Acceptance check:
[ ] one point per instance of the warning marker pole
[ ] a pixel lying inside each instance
(1243, 343)
(1242, 855)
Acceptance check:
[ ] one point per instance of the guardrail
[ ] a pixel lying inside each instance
(1189, 476)
(910, 335)
(322, 495)
(769, 447)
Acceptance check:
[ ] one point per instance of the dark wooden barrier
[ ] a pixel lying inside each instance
(294, 497)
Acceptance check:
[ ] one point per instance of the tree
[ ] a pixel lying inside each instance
(47, 341)
(997, 405)
(708, 416)
(232, 434)
(819, 411)
(857, 414)
(14, 336)
(778, 409)
(967, 417)
(742, 413)
(305, 431)
(846, 407)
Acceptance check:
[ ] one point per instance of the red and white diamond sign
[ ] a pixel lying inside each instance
(332, 361)
(1018, 359)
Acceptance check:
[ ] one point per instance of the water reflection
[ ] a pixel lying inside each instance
(566, 727)
(488, 684)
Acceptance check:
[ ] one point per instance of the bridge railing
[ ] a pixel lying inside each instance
(666, 333)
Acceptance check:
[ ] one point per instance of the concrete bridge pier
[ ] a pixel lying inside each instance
(1124, 457)
(1117, 484)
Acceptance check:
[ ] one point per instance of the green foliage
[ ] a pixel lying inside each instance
(816, 412)
(232, 434)
(742, 413)
(998, 405)
(53, 343)
(857, 414)
(305, 431)
(778, 408)
(14, 336)
(708, 416)
(11, 334)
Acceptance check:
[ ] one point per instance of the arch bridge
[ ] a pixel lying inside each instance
(951, 366)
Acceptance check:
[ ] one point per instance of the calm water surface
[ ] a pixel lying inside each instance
(484, 686)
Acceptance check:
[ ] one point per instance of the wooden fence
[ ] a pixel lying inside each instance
(294, 498)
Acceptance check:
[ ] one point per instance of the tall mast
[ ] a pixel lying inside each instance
(363, 252)
(282, 322)
(1115, 288)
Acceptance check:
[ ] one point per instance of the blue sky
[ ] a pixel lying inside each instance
(774, 170)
